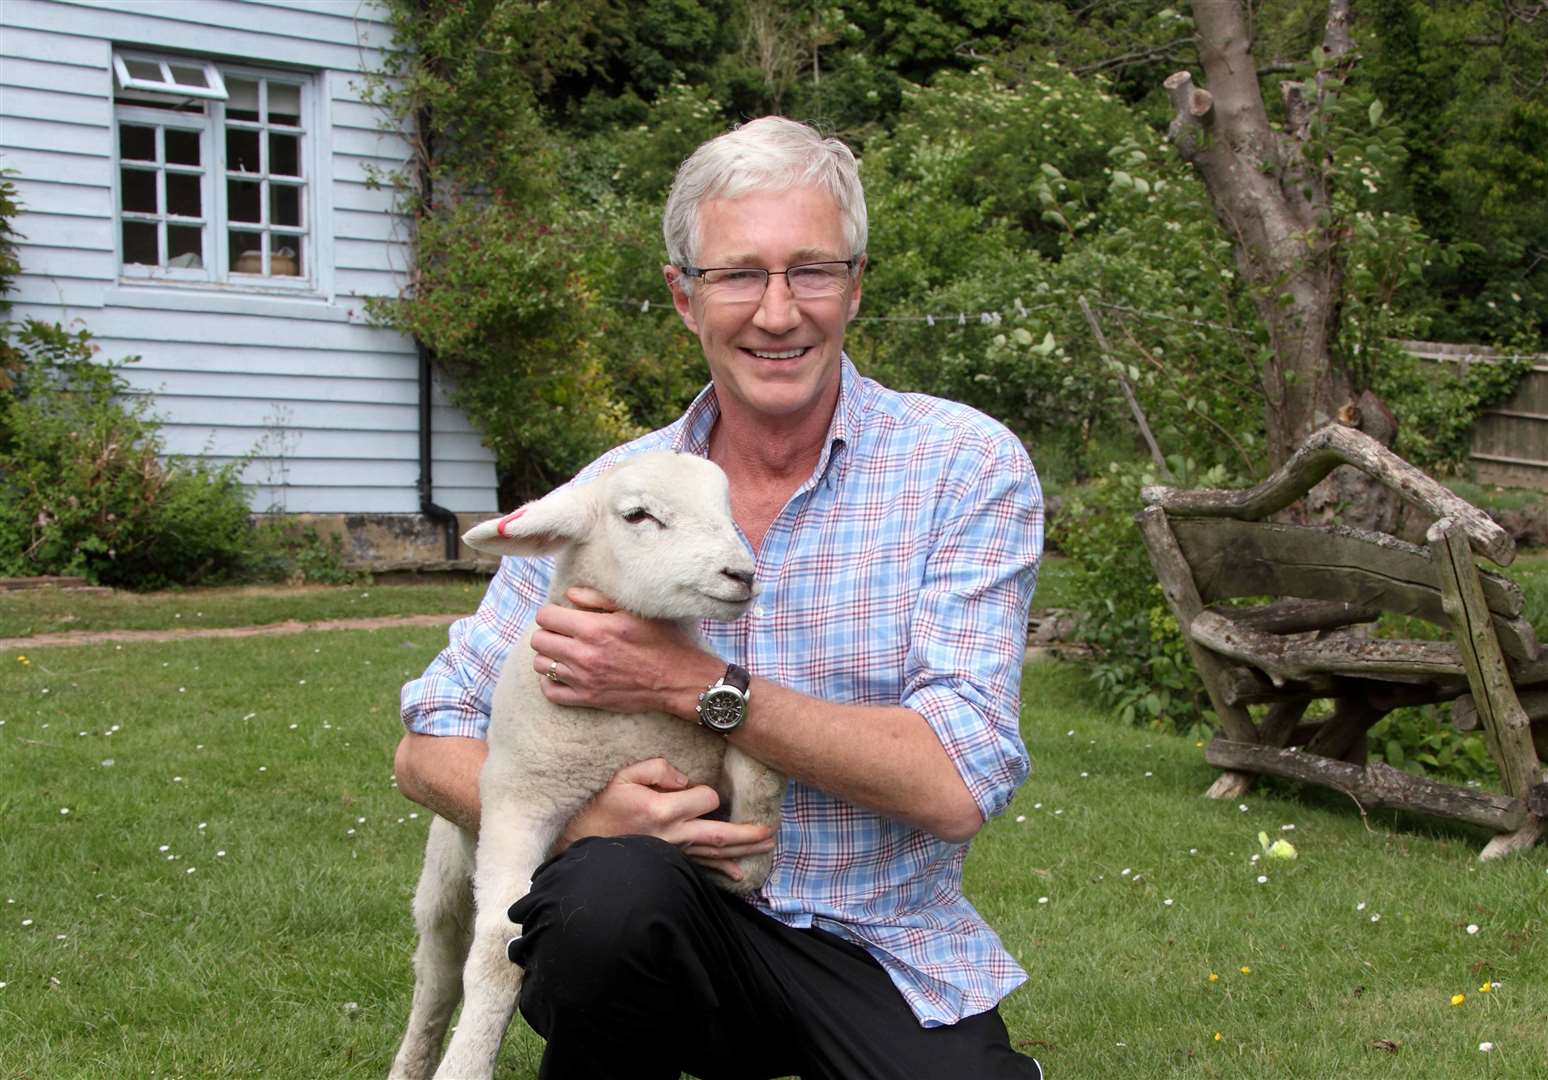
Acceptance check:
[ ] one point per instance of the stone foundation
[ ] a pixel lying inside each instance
(398, 542)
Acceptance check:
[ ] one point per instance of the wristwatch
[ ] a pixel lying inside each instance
(723, 706)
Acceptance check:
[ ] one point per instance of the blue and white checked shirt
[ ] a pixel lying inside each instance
(901, 572)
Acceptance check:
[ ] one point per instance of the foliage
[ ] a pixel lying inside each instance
(1059, 193)
(1439, 404)
(83, 490)
(1462, 80)
(10, 357)
(1142, 671)
(1423, 742)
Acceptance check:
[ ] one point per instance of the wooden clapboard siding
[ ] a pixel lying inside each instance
(297, 383)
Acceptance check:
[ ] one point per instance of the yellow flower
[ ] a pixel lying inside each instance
(1485, 988)
(1246, 970)
(23, 660)
(1213, 977)
(1457, 999)
(1218, 1036)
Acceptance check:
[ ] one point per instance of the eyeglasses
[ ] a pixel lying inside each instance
(740, 284)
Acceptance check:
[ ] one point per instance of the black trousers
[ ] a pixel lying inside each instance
(638, 968)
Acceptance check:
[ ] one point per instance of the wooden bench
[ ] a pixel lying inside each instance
(1281, 616)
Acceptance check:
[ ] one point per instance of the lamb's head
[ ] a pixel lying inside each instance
(654, 533)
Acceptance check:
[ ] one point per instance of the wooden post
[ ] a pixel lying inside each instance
(1506, 727)
(1183, 597)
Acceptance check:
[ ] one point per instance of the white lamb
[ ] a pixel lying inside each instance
(655, 534)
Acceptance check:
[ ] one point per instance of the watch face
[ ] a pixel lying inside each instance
(722, 708)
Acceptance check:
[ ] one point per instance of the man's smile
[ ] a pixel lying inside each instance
(779, 354)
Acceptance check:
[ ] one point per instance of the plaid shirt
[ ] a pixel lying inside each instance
(901, 572)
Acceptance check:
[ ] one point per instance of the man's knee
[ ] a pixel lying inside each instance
(596, 912)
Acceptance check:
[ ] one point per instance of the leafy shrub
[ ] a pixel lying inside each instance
(82, 489)
(1142, 670)
(1422, 741)
(283, 550)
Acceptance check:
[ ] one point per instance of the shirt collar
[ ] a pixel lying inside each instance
(693, 430)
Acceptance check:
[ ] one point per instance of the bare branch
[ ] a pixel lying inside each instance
(1139, 56)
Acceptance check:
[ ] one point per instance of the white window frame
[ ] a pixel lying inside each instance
(214, 201)
(215, 86)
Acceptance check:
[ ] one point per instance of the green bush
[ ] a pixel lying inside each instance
(83, 490)
(1142, 671)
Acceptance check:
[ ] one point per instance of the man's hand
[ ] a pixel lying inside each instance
(604, 658)
(652, 798)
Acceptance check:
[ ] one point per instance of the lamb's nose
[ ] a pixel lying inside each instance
(741, 577)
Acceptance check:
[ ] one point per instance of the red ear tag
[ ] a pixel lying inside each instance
(507, 519)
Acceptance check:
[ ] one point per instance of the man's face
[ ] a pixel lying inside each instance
(774, 358)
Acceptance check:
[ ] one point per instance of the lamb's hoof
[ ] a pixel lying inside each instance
(510, 949)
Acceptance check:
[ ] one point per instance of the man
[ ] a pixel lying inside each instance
(897, 540)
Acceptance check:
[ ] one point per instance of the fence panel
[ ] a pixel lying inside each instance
(1510, 440)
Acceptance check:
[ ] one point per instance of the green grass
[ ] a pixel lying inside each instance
(1055, 583)
(289, 954)
(47, 611)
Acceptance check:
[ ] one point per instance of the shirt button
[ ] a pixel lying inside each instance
(758, 611)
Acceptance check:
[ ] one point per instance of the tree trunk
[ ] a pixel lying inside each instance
(1275, 202)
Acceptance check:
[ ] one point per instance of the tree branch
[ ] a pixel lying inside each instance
(1139, 56)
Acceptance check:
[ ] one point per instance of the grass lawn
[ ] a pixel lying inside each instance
(205, 871)
(49, 611)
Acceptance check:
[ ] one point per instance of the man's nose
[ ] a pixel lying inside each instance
(778, 309)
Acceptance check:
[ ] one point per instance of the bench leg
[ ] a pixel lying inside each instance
(1230, 784)
(1510, 843)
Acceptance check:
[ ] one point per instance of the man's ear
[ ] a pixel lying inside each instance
(538, 528)
(680, 300)
(854, 296)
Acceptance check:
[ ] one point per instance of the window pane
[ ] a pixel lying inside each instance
(188, 76)
(144, 69)
(183, 195)
(284, 154)
(136, 143)
(243, 200)
(185, 246)
(246, 252)
(140, 243)
(285, 261)
(284, 205)
(182, 146)
(138, 191)
(242, 102)
(242, 150)
(284, 104)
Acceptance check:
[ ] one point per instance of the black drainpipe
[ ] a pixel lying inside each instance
(428, 507)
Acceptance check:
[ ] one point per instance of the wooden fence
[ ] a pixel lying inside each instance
(1510, 440)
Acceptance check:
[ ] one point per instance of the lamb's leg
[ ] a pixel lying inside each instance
(752, 792)
(515, 839)
(443, 914)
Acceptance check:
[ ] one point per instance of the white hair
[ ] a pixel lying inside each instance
(767, 154)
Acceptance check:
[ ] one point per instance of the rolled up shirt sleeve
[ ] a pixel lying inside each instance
(969, 643)
(453, 696)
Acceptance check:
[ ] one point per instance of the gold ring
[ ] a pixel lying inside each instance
(553, 671)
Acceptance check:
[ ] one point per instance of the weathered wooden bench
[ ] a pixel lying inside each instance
(1280, 616)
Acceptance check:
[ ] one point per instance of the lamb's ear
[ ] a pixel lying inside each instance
(538, 528)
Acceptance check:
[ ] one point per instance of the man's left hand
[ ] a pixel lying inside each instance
(604, 658)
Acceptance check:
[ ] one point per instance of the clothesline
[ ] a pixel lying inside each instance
(1019, 311)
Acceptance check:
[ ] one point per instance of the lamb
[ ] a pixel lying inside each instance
(655, 534)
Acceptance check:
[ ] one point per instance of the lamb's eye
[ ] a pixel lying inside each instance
(638, 515)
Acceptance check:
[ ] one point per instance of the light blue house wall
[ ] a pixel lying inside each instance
(282, 364)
